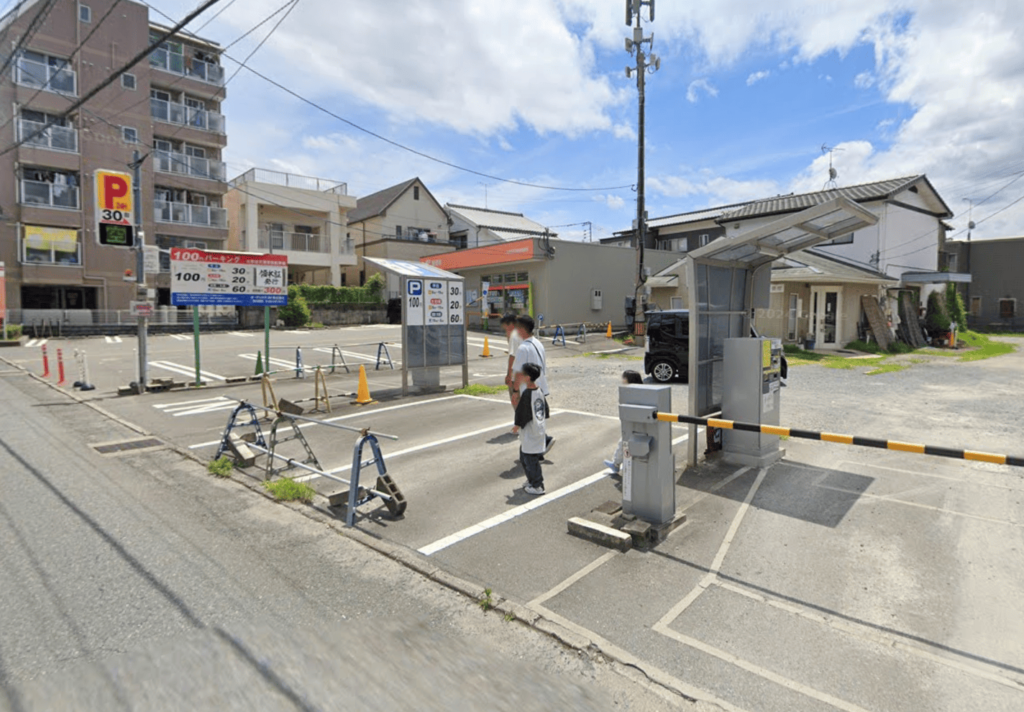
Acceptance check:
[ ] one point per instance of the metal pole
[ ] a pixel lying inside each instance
(195, 339)
(140, 271)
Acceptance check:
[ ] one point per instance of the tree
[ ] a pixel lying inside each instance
(937, 321)
(296, 311)
(955, 307)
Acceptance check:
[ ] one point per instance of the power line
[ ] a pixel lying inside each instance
(33, 26)
(262, 41)
(67, 61)
(113, 75)
(401, 146)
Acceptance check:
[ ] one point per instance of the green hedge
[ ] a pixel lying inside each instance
(13, 331)
(370, 293)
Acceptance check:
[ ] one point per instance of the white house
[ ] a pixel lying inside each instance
(476, 227)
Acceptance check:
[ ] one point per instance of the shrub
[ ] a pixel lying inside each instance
(370, 293)
(296, 312)
(955, 307)
(13, 332)
(937, 321)
(288, 490)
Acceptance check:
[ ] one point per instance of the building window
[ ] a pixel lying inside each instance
(952, 263)
(43, 130)
(129, 134)
(84, 13)
(1007, 308)
(398, 230)
(51, 245)
(415, 192)
(47, 188)
(704, 239)
(976, 306)
(43, 71)
(844, 240)
(128, 81)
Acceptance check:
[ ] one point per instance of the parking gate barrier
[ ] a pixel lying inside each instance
(559, 333)
(383, 347)
(581, 334)
(273, 441)
(336, 353)
(935, 450)
(60, 367)
(46, 363)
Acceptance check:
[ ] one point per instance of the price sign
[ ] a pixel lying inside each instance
(199, 277)
(456, 313)
(436, 302)
(114, 209)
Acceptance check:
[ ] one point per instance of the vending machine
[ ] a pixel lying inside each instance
(751, 385)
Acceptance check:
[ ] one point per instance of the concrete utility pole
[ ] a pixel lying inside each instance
(635, 46)
(140, 271)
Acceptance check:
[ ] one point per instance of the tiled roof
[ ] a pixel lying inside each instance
(510, 226)
(376, 203)
(878, 190)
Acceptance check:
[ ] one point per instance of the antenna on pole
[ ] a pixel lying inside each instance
(832, 172)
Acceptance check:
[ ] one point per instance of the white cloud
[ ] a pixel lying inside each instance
(614, 202)
(696, 87)
(714, 189)
(755, 77)
(625, 131)
(864, 80)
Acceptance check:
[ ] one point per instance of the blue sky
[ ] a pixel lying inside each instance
(536, 91)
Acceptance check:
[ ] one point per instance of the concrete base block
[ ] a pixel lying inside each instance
(600, 534)
(640, 531)
(765, 460)
(243, 455)
(659, 533)
(291, 408)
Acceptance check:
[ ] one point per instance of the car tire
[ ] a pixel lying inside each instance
(663, 371)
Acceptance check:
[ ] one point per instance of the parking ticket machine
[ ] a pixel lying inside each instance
(751, 385)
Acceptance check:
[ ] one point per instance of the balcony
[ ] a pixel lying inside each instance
(30, 73)
(163, 59)
(284, 241)
(184, 164)
(188, 214)
(183, 115)
(290, 180)
(51, 195)
(55, 138)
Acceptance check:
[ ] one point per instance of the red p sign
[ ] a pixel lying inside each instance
(114, 197)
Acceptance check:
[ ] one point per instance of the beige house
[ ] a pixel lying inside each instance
(403, 222)
(302, 217)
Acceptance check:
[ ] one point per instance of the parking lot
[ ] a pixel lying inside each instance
(840, 578)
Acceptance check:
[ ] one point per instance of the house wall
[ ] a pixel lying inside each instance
(995, 267)
(475, 236)
(774, 321)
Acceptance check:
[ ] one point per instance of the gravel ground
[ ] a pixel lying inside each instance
(937, 400)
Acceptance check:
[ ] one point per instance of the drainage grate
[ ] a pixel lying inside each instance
(126, 446)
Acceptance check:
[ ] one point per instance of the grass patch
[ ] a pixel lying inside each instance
(316, 325)
(864, 346)
(796, 356)
(848, 364)
(288, 490)
(984, 347)
(486, 601)
(480, 389)
(624, 357)
(220, 467)
(890, 367)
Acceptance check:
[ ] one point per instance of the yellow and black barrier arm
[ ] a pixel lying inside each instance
(844, 439)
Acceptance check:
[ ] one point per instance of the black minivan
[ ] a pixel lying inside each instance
(667, 350)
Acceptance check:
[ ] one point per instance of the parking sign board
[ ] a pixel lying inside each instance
(203, 278)
(114, 209)
(414, 302)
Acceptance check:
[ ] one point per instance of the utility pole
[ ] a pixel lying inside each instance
(140, 271)
(635, 46)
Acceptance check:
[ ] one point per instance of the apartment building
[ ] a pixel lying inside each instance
(302, 217)
(166, 107)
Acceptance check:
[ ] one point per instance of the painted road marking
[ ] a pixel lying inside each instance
(297, 331)
(35, 342)
(180, 337)
(185, 370)
(522, 509)
(197, 407)
(353, 354)
(346, 417)
(240, 333)
(290, 365)
(113, 339)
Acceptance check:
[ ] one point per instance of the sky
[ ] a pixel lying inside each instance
(535, 91)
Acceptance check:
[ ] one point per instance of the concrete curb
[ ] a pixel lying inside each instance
(572, 637)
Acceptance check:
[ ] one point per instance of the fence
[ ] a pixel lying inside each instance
(113, 317)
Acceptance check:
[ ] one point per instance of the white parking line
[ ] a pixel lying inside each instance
(183, 370)
(35, 342)
(364, 414)
(197, 407)
(113, 339)
(240, 333)
(270, 361)
(522, 509)
(180, 337)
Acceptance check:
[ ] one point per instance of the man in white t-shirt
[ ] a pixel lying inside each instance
(508, 323)
(531, 351)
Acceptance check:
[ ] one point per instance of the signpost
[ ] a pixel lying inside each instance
(3, 296)
(434, 326)
(246, 279)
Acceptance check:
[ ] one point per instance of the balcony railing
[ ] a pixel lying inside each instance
(290, 180)
(175, 63)
(56, 138)
(31, 73)
(183, 164)
(281, 241)
(53, 195)
(182, 115)
(188, 214)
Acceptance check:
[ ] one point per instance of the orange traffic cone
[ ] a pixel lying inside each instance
(363, 392)
(608, 334)
(487, 348)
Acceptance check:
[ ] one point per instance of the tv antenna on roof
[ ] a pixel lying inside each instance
(832, 172)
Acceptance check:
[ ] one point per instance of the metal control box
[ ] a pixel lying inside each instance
(751, 384)
(648, 466)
